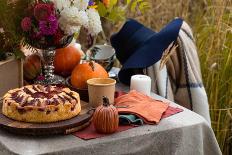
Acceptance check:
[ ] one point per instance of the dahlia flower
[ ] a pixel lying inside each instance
(42, 11)
(26, 24)
(49, 26)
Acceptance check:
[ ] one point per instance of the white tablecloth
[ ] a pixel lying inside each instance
(185, 133)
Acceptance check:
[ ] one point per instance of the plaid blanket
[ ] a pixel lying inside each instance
(177, 76)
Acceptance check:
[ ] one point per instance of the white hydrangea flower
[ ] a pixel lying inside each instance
(81, 4)
(72, 18)
(94, 26)
(61, 4)
(69, 29)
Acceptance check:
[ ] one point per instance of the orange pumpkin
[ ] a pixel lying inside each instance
(86, 71)
(66, 59)
(105, 118)
(32, 67)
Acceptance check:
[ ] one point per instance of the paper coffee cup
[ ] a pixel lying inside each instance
(99, 87)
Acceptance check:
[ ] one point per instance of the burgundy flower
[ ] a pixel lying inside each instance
(42, 11)
(26, 24)
(49, 26)
(58, 36)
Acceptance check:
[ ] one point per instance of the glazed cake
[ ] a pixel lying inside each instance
(41, 104)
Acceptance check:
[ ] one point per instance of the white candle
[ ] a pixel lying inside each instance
(141, 83)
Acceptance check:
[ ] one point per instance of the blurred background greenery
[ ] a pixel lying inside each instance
(211, 21)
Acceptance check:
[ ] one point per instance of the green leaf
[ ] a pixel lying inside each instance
(112, 4)
(102, 9)
(116, 14)
(128, 2)
(143, 6)
(133, 6)
(18, 54)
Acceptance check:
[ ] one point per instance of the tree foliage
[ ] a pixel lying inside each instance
(11, 13)
(117, 9)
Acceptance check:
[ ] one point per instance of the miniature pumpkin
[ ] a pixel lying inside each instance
(105, 118)
(86, 71)
(66, 59)
(32, 67)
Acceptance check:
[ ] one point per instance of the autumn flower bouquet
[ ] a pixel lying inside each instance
(51, 23)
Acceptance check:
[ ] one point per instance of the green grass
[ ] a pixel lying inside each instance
(214, 41)
(211, 21)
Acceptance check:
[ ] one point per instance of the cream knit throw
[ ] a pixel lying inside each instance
(180, 78)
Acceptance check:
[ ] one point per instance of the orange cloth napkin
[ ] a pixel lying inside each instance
(148, 109)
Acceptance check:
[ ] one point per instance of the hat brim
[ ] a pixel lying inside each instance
(151, 51)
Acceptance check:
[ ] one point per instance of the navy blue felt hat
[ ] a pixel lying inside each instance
(137, 46)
